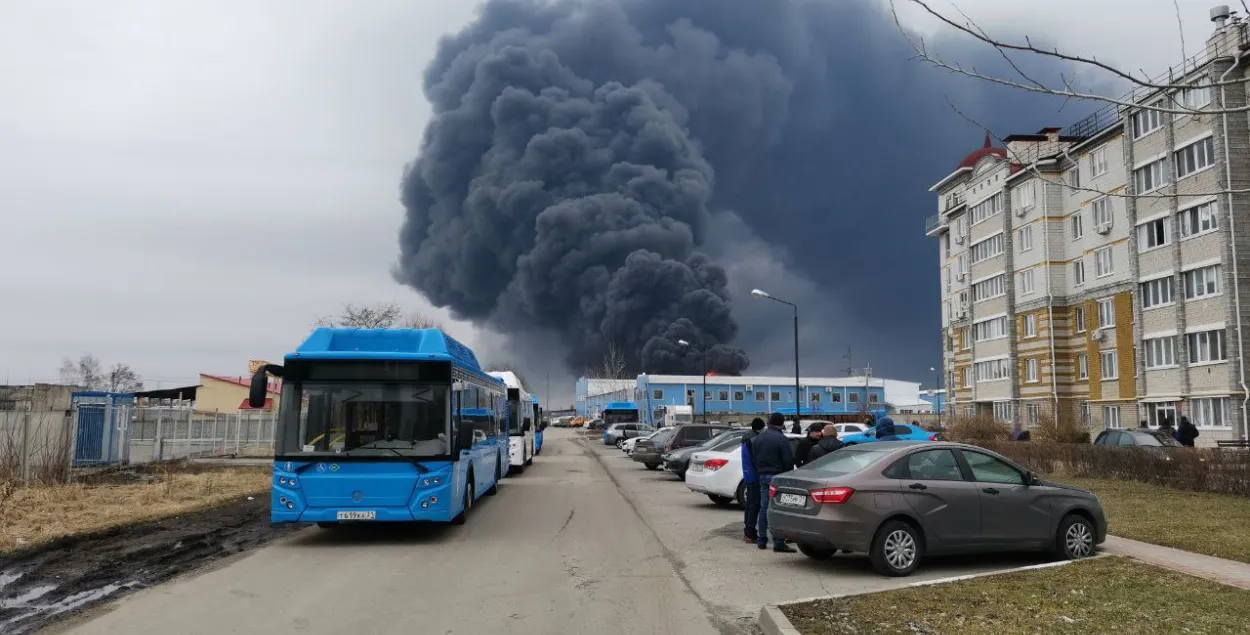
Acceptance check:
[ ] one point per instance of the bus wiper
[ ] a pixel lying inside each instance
(411, 459)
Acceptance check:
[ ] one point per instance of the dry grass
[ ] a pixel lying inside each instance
(1102, 595)
(40, 513)
(977, 430)
(1210, 524)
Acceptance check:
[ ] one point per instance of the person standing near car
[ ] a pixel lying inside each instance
(1186, 433)
(814, 433)
(772, 454)
(829, 442)
(751, 487)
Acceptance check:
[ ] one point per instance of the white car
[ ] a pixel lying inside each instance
(717, 472)
(627, 446)
(848, 428)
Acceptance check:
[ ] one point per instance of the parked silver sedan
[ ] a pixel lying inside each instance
(898, 501)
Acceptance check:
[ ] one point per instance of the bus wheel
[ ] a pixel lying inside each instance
(494, 487)
(468, 502)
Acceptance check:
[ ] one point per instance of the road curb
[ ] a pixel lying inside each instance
(773, 622)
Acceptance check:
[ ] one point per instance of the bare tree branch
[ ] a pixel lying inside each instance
(1068, 91)
(123, 378)
(380, 315)
(86, 371)
(417, 320)
(613, 365)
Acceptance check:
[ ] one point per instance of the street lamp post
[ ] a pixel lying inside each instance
(703, 365)
(798, 397)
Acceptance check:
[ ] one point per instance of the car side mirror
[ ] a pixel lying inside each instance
(1031, 479)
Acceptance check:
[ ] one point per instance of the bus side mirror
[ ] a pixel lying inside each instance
(260, 384)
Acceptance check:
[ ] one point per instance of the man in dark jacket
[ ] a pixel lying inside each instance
(814, 433)
(829, 442)
(751, 489)
(772, 454)
(1186, 433)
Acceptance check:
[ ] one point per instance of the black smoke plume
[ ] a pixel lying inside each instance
(576, 148)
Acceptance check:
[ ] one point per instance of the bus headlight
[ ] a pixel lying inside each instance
(425, 482)
(282, 500)
(436, 480)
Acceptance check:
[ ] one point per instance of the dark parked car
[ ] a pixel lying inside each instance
(650, 452)
(1139, 438)
(678, 461)
(899, 501)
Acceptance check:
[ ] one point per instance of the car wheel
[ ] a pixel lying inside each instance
(740, 496)
(1075, 538)
(721, 501)
(620, 443)
(652, 466)
(817, 553)
(896, 549)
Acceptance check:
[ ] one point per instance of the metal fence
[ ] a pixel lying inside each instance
(43, 446)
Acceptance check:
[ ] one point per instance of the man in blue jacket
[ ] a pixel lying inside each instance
(751, 489)
(772, 454)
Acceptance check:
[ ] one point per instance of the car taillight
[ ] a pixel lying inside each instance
(934, 437)
(772, 491)
(832, 495)
(715, 464)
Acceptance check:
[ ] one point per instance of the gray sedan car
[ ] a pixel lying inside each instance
(901, 500)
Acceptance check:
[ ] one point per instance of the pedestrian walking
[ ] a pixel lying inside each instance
(1186, 433)
(814, 434)
(751, 488)
(772, 454)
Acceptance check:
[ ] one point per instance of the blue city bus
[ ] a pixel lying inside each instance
(618, 412)
(540, 425)
(384, 425)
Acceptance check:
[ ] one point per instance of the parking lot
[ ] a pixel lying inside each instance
(735, 577)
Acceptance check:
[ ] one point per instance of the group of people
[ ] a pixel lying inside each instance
(766, 453)
(1184, 434)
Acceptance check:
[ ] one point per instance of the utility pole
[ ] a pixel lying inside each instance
(850, 368)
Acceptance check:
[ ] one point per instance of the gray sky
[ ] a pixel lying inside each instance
(187, 185)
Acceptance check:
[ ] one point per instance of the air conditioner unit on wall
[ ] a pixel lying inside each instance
(749, 387)
(959, 239)
(1098, 335)
(1020, 211)
(1103, 229)
(960, 276)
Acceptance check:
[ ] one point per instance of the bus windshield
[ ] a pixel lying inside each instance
(361, 417)
(619, 416)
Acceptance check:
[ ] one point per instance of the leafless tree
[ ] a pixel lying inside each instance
(379, 315)
(613, 365)
(86, 371)
(123, 378)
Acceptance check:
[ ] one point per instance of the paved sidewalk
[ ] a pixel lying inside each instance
(1228, 572)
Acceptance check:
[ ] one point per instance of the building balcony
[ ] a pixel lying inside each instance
(934, 224)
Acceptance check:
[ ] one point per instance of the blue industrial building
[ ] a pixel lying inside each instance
(742, 398)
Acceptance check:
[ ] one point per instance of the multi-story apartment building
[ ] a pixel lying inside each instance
(1099, 269)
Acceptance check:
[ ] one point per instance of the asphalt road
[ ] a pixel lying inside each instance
(586, 541)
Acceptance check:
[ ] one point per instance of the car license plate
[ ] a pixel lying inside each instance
(697, 467)
(357, 515)
(797, 500)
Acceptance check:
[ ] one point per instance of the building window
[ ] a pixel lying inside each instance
(1078, 273)
(1082, 366)
(1152, 234)
(1030, 325)
(1160, 352)
(759, 395)
(968, 377)
(1002, 411)
(1209, 412)
(1023, 196)
(1103, 263)
(1080, 319)
(1200, 219)
(991, 206)
(1192, 99)
(1074, 177)
(689, 397)
(722, 395)
(1103, 214)
(1032, 414)
(1202, 283)
(992, 370)
(1030, 367)
(1106, 313)
(872, 398)
(1196, 156)
(1151, 176)
(1026, 282)
(1206, 346)
(1146, 121)
(1110, 365)
(1111, 416)
(854, 397)
(1157, 413)
(1026, 238)
(776, 396)
(657, 394)
(835, 398)
(739, 396)
(707, 395)
(1085, 415)
(990, 288)
(1157, 293)
(1077, 224)
(991, 329)
(1098, 161)
(965, 339)
(986, 249)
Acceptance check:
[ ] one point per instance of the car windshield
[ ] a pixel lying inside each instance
(845, 461)
(364, 417)
(662, 436)
(619, 416)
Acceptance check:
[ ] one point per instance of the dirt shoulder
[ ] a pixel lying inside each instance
(50, 582)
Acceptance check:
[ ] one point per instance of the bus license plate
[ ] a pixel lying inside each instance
(357, 515)
(797, 500)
